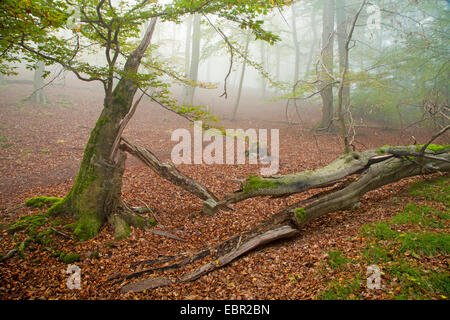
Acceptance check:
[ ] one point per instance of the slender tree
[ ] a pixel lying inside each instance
(327, 63)
(241, 80)
(195, 58)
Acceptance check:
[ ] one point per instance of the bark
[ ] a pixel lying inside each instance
(283, 185)
(344, 89)
(327, 63)
(342, 26)
(313, 43)
(39, 95)
(187, 52)
(392, 164)
(296, 44)
(172, 174)
(241, 80)
(95, 197)
(263, 64)
(195, 58)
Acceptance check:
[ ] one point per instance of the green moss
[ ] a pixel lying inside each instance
(32, 223)
(152, 221)
(59, 207)
(141, 223)
(122, 230)
(253, 183)
(87, 226)
(342, 290)
(69, 257)
(300, 213)
(434, 147)
(39, 202)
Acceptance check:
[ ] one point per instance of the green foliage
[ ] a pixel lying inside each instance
(402, 78)
(425, 243)
(379, 230)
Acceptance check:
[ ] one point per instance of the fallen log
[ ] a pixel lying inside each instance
(385, 169)
(169, 172)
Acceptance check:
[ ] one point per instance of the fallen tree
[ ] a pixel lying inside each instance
(169, 172)
(351, 177)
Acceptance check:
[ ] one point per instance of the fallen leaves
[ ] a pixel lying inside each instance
(283, 270)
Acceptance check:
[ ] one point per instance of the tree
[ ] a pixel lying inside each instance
(326, 65)
(95, 197)
(195, 58)
(38, 95)
(241, 80)
(296, 43)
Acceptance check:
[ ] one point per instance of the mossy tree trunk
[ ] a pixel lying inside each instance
(95, 197)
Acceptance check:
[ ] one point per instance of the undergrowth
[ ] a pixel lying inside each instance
(411, 250)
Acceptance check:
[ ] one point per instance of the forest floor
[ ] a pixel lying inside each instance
(40, 152)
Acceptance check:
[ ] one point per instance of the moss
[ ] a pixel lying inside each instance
(87, 226)
(152, 221)
(122, 230)
(253, 183)
(39, 202)
(434, 147)
(57, 207)
(300, 213)
(69, 257)
(141, 223)
(32, 223)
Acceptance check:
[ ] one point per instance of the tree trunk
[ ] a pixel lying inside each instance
(296, 44)
(187, 53)
(327, 63)
(241, 80)
(342, 23)
(195, 58)
(39, 95)
(95, 197)
(263, 64)
(313, 43)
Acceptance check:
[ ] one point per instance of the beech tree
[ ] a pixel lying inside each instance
(38, 30)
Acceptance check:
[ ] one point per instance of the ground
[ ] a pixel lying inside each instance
(40, 152)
